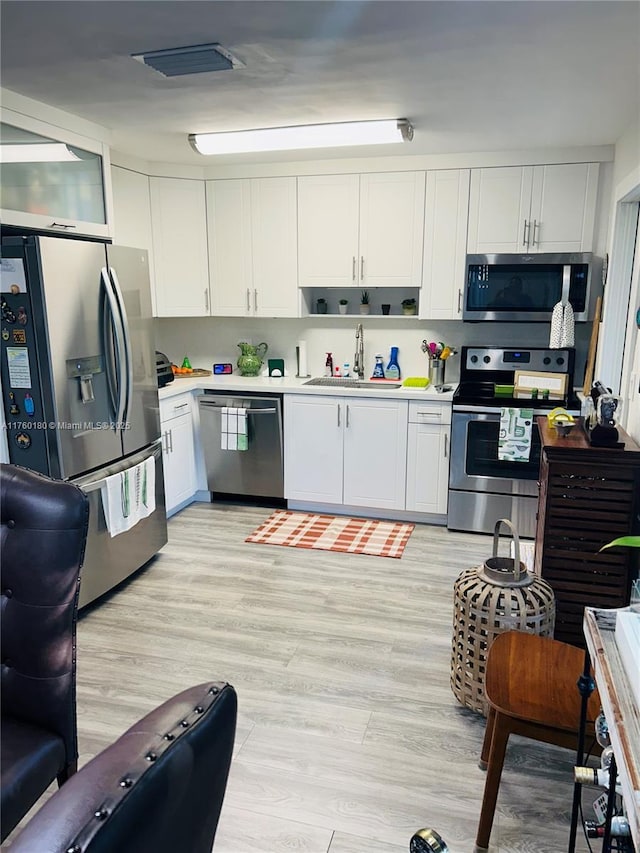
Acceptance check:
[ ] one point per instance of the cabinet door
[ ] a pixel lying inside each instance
(313, 428)
(563, 207)
(445, 244)
(179, 461)
(68, 194)
(274, 241)
(132, 215)
(178, 456)
(391, 229)
(499, 206)
(229, 228)
(178, 219)
(328, 231)
(375, 452)
(428, 468)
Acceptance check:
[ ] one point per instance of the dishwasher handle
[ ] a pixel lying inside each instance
(208, 405)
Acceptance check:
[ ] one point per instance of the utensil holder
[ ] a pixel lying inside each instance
(436, 371)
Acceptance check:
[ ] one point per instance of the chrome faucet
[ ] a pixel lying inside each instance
(358, 359)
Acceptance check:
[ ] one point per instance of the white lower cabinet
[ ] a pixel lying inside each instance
(178, 455)
(428, 457)
(345, 450)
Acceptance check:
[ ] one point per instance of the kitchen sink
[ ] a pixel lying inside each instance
(337, 382)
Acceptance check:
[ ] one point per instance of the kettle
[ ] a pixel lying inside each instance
(251, 358)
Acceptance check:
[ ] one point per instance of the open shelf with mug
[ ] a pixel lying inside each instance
(349, 302)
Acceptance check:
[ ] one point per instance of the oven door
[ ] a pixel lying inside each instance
(475, 466)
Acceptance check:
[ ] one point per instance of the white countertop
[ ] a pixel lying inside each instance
(292, 385)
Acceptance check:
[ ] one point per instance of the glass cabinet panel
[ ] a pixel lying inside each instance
(42, 176)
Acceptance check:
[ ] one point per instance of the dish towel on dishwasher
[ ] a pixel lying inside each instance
(514, 438)
(129, 496)
(233, 428)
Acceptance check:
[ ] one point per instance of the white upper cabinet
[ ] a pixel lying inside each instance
(328, 209)
(361, 230)
(132, 214)
(229, 232)
(563, 207)
(66, 191)
(253, 247)
(445, 244)
(179, 225)
(529, 209)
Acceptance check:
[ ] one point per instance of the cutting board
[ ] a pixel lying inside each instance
(525, 380)
(197, 371)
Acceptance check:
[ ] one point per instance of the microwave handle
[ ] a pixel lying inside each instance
(566, 283)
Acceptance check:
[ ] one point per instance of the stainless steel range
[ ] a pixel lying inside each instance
(482, 487)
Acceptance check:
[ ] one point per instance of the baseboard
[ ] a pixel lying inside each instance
(369, 512)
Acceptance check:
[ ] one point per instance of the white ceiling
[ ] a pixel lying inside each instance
(471, 76)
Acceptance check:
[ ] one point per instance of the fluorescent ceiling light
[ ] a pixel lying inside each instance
(36, 152)
(304, 136)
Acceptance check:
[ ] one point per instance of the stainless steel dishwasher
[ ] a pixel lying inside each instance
(257, 471)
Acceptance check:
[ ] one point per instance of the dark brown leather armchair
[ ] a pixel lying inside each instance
(43, 536)
(158, 789)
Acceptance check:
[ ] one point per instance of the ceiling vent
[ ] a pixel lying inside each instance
(197, 59)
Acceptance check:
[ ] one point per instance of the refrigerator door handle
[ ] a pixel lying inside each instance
(88, 485)
(128, 395)
(116, 388)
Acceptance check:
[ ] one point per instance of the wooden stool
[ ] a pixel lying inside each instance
(531, 687)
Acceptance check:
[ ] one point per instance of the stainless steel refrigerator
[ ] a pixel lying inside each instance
(79, 382)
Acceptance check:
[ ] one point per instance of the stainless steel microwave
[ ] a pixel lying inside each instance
(525, 288)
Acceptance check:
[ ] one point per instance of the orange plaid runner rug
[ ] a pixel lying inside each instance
(333, 533)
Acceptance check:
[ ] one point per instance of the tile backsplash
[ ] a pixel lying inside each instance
(209, 339)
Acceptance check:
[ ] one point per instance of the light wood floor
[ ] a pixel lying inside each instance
(349, 738)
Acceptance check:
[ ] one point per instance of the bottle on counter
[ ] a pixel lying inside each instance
(337, 371)
(393, 368)
(346, 369)
(378, 370)
(328, 365)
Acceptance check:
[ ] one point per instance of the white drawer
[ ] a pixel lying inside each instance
(429, 412)
(174, 407)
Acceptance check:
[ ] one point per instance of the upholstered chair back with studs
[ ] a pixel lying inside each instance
(42, 541)
(158, 789)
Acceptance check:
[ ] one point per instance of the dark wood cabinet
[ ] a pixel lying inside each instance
(588, 496)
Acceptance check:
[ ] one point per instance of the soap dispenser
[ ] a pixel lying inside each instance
(378, 370)
(393, 368)
(328, 365)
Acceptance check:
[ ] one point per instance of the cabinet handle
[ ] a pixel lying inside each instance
(60, 225)
(536, 225)
(347, 416)
(525, 239)
(353, 269)
(446, 445)
(170, 440)
(255, 300)
(361, 267)
(459, 300)
(180, 406)
(248, 300)
(164, 447)
(338, 414)
(206, 300)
